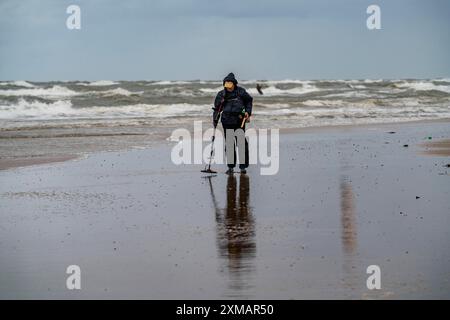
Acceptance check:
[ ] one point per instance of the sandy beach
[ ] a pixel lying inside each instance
(141, 227)
(117, 181)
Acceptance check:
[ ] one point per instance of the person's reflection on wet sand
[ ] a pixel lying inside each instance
(236, 235)
(349, 234)
(348, 220)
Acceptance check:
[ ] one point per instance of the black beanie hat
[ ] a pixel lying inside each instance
(230, 77)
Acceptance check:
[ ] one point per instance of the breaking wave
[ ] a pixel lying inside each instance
(63, 109)
(283, 102)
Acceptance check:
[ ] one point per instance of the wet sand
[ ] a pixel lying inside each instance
(31, 161)
(141, 227)
(439, 148)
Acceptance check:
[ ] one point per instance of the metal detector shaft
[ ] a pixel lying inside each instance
(208, 170)
(212, 147)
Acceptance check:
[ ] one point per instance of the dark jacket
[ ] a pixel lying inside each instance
(232, 104)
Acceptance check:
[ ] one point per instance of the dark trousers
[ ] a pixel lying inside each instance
(236, 127)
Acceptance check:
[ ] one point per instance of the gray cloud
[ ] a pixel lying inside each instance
(204, 39)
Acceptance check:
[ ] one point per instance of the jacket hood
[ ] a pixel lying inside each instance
(230, 77)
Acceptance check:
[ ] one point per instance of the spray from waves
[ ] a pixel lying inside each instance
(272, 90)
(365, 103)
(18, 83)
(60, 91)
(168, 82)
(55, 91)
(120, 92)
(357, 114)
(273, 105)
(275, 82)
(423, 86)
(35, 110)
(63, 109)
(174, 90)
(100, 83)
(211, 90)
(293, 101)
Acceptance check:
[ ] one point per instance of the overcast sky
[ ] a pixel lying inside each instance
(206, 39)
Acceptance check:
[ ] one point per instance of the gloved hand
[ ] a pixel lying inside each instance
(246, 116)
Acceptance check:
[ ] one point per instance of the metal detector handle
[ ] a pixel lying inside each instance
(244, 120)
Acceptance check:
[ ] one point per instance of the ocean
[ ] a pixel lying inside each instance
(138, 111)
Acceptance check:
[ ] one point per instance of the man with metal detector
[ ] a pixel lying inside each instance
(234, 105)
